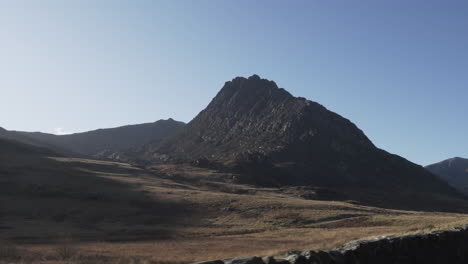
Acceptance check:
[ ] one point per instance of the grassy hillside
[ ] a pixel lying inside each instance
(67, 210)
(49, 199)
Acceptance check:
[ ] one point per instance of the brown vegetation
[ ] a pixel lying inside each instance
(116, 213)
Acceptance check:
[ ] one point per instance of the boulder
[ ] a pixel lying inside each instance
(210, 262)
(269, 260)
(325, 257)
(282, 261)
(312, 257)
(337, 257)
(297, 259)
(245, 260)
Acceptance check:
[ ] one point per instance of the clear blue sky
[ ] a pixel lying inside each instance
(396, 68)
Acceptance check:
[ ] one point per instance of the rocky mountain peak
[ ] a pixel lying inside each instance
(246, 91)
(271, 137)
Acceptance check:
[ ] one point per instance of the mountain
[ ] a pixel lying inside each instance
(270, 137)
(454, 171)
(111, 143)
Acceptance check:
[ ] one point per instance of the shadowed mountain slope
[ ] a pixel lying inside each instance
(454, 171)
(102, 143)
(271, 137)
(10, 150)
(19, 137)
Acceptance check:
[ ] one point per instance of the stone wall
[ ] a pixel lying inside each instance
(439, 247)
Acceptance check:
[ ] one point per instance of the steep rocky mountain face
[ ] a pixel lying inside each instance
(454, 171)
(111, 143)
(271, 137)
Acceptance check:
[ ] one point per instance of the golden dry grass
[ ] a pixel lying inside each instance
(219, 220)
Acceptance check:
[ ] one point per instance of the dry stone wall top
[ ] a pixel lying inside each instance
(441, 247)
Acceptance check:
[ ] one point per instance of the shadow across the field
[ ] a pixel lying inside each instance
(393, 199)
(43, 199)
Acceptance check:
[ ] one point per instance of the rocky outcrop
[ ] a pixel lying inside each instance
(439, 247)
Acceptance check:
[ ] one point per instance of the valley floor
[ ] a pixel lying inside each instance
(182, 214)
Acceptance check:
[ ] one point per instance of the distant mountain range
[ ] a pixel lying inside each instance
(110, 143)
(454, 171)
(263, 134)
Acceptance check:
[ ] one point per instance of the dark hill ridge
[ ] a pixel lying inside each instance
(271, 137)
(101, 143)
(11, 148)
(15, 136)
(454, 171)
